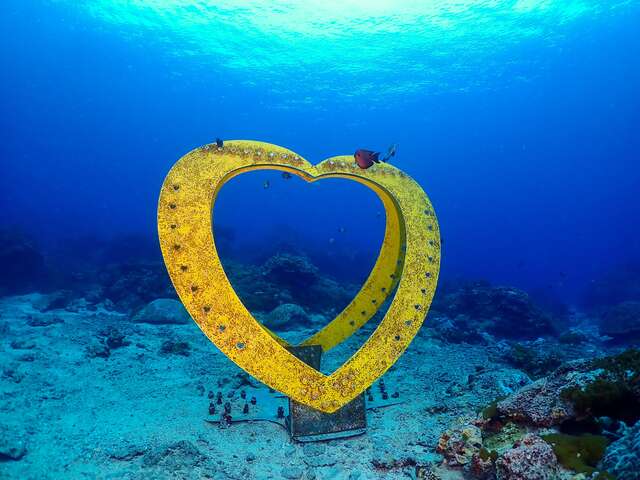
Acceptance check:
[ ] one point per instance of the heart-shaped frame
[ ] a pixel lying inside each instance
(409, 258)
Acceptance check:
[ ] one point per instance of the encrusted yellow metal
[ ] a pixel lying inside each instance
(409, 259)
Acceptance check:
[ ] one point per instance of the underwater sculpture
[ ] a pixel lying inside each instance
(409, 259)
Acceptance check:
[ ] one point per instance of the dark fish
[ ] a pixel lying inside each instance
(366, 158)
(266, 184)
(286, 175)
(219, 143)
(391, 152)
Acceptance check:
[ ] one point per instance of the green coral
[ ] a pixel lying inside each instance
(612, 394)
(625, 366)
(490, 412)
(486, 455)
(603, 398)
(580, 454)
(505, 438)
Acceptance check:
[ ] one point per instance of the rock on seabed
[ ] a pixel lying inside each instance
(12, 446)
(162, 311)
(622, 458)
(531, 459)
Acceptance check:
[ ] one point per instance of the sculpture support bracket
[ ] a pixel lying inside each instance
(306, 424)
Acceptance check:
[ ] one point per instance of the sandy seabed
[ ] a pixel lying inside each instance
(140, 413)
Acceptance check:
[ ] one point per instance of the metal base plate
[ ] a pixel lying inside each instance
(303, 423)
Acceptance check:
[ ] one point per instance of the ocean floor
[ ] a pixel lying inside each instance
(89, 393)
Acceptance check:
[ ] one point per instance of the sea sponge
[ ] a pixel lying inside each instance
(578, 453)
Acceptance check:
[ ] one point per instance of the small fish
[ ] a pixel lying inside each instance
(366, 158)
(286, 175)
(266, 184)
(342, 229)
(391, 152)
(219, 143)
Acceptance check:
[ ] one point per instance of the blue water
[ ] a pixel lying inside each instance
(519, 118)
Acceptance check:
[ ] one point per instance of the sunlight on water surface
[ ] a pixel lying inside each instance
(381, 47)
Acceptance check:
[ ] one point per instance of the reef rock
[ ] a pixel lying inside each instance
(287, 316)
(23, 266)
(460, 444)
(614, 287)
(173, 347)
(326, 296)
(579, 390)
(610, 389)
(622, 322)
(256, 290)
(98, 350)
(502, 311)
(540, 403)
(301, 280)
(113, 338)
(483, 465)
(531, 459)
(162, 311)
(174, 456)
(43, 320)
(287, 279)
(12, 446)
(533, 358)
(622, 457)
(108, 340)
(461, 329)
(53, 301)
(291, 270)
(130, 286)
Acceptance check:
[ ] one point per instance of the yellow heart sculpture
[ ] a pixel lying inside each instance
(409, 259)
